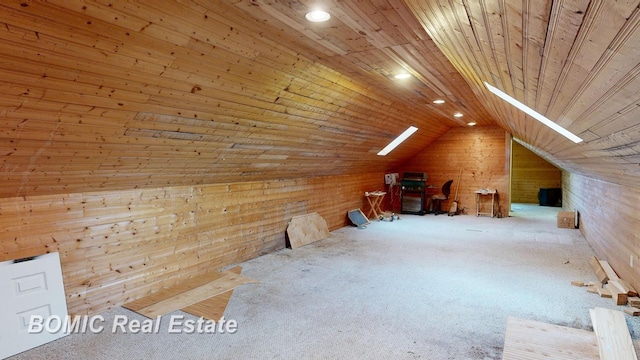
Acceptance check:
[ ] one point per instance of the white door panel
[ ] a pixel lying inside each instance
(29, 287)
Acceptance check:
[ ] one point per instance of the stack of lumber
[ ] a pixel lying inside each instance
(610, 339)
(612, 286)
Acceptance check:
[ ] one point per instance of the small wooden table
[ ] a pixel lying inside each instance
(485, 192)
(375, 200)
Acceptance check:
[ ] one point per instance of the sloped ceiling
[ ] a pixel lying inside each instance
(577, 62)
(105, 95)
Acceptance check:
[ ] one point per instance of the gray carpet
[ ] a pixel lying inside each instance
(423, 287)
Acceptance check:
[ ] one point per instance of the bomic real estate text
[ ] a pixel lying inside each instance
(177, 324)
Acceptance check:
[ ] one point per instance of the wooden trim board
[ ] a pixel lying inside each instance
(529, 340)
(598, 270)
(611, 274)
(617, 291)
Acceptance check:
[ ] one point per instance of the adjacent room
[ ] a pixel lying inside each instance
(235, 179)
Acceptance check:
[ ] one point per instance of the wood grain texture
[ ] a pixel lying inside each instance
(306, 229)
(213, 308)
(608, 220)
(135, 94)
(168, 293)
(532, 340)
(573, 61)
(612, 333)
(225, 283)
(598, 270)
(118, 246)
(529, 174)
(126, 96)
(481, 153)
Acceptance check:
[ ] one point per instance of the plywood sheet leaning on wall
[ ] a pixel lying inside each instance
(306, 229)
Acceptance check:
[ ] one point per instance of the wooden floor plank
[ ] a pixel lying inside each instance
(202, 295)
(532, 340)
(212, 308)
(190, 297)
(165, 294)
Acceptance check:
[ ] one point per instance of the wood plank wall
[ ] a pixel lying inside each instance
(608, 220)
(121, 245)
(529, 173)
(481, 152)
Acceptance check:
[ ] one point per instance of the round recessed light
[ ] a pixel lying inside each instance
(458, 114)
(402, 76)
(472, 123)
(318, 16)
(438, 101)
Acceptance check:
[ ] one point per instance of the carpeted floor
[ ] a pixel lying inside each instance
(423, 287)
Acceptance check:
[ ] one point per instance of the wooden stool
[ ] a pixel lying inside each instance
(375, 200)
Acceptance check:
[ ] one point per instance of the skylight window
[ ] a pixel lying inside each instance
(397, 141)
(559, 129)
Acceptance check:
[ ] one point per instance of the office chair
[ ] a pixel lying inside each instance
(437, 199)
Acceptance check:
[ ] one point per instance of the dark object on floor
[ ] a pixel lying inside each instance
(550, 197)
(438, 198)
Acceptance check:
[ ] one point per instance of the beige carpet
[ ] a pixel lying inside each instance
(423, 287)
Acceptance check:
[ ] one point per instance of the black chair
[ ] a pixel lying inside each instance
(437, 199)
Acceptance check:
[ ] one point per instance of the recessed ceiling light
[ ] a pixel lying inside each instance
(458, 115)
(402, 76)
(471, 123)
(318, 16)
(438, 101)
(534, 114)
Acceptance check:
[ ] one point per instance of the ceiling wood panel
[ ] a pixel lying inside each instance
(100, 94)
(575, 61)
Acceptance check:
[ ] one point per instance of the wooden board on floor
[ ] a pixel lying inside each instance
(612, 334)
(529, 340)
(618, 293)
(611, 274)
(634, 301)
(212, 308)
(597, 268)
(167, 293)
(306, 229)
(188, 293)
(631, 291)
(190, 297)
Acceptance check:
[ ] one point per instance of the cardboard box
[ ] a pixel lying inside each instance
(567, 219)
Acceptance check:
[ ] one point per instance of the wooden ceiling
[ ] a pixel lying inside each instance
(113, 94)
